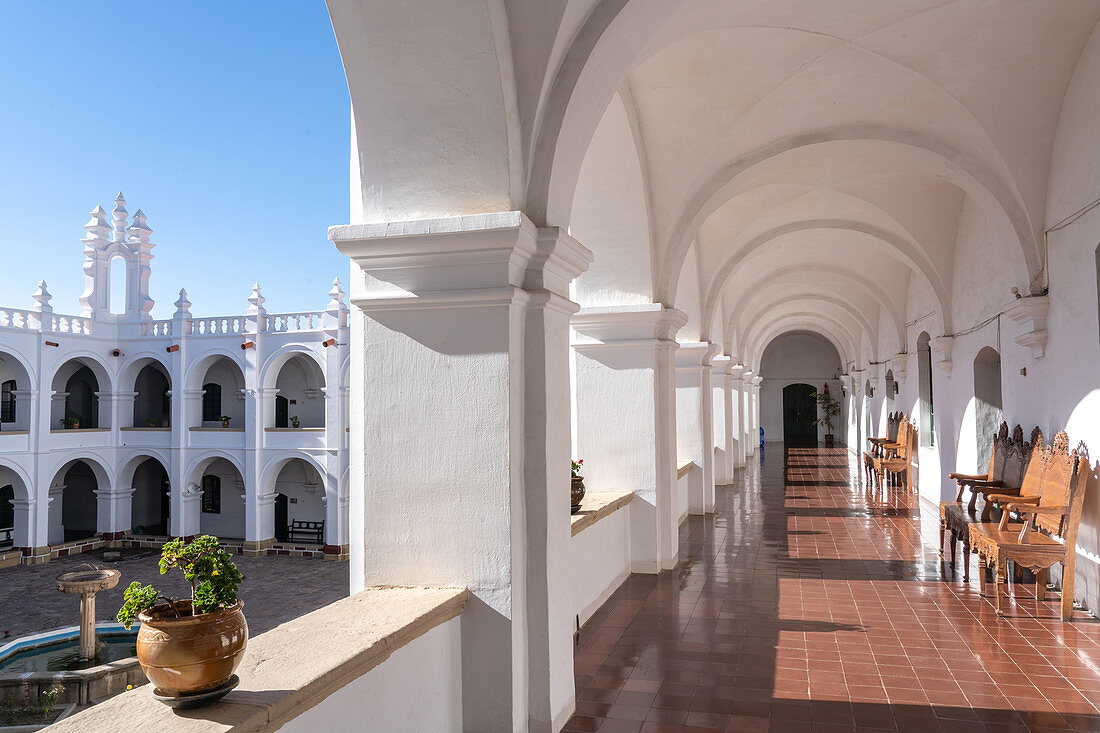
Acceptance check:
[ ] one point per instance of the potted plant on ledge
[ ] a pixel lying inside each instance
(70, 423)
(190, 648)
(294, 423)
(225, 420)
(830, 409)
(577, 489)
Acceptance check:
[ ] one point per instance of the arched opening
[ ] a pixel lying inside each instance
(223, 512)
(76, 404)
(152, 402)
(924, 387)
(988, 404)
(13, 378)
(301, 384)
(891, 391)
(7, 516)
(868, 393)
(795, 366)
(222, 397)
(302, 490)
(116, 286)
(151, 506)
(72, 509)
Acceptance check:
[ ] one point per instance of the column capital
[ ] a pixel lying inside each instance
(620, 323)
(756, 381)
(942, 346)
(696, 355)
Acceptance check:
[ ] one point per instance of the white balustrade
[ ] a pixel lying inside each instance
(218, 325)
(308, 321)
(14, 318)
(156, 328)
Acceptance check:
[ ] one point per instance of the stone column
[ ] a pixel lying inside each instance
(259, 507)
(118, 407)
(185, 491)
(722, 420)
(695, 422)
(626, 419)
(114, 509)
(754, 412)
(460, 442)
(737, 394)
(24, 407)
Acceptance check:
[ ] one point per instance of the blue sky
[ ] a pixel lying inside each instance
(226, 122)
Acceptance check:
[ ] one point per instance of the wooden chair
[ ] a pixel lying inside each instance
(1056, 511)
(896, 461)
(1008, 462)
(892, 422)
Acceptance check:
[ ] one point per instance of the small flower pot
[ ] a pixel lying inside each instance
(225, 423)
(294, 423)
(829, 440)
(576, 493)
(190, 655)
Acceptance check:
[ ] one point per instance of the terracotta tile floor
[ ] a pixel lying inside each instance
(809, 603)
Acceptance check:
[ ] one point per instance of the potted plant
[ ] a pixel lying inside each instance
(189, 648)
(28, 717)
(576, 492)
(830, 408)
(152, 422)
(70, 423)
(294, 422)
(225, 420)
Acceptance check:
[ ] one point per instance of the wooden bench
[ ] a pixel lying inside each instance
(1007, 474)
(6, 534)
(304, 531)
(892, 422)
(897, 457)
(1056, 511)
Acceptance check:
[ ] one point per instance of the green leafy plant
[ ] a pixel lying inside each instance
(152, 422)
(206, 566)
(830, 409)
(43, 709)
(577, 466)
(70, 422)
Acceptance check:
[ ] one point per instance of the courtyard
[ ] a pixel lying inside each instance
(275, 589)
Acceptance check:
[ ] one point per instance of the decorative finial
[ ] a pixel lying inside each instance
(336, 296)
(139, 230)
(256, 301)
(183, 305)
(96, 227)
(42, 298)
(119, 214)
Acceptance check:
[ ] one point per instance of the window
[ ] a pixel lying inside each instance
(924, 369)
(7, 401)
(211, 495)
(211, 402)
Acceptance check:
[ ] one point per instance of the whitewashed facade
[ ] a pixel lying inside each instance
(111, 428)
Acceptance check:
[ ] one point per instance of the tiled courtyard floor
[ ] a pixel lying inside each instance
(808, 603)
(275, 589)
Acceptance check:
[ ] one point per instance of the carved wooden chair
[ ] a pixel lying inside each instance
(897, 456)
(892, 422)
(1056, 511)
(1008, 464)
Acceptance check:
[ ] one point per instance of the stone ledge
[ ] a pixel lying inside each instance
(291, 668)
(596, 505)
(294, 430)
(216, 430)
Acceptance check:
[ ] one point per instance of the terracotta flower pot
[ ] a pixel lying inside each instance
(576, 493)
(190, 654)
(225, 423)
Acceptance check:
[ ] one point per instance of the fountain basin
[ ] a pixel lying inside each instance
(83, 582)
(29, 665)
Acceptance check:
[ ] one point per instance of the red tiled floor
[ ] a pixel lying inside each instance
(809, 602)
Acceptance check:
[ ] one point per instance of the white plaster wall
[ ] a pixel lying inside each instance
(304, 502)
(301, 382)
(227, 374)
(230, 522)
(683, 486)
(417, 689)
(599, 562)
(689, 298)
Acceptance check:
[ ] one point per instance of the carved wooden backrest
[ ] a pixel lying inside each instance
(1016, 454)
(904, 438)
(996, 468)
(1032, 482)
(1078, 482)
(1059, 466)
(893, 420)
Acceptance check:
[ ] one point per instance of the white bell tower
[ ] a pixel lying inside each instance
(102, 245)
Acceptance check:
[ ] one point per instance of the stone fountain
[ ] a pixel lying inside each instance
(87, 583)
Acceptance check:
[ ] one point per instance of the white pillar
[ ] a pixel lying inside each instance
(754, 411)
(460, 443)
(626, 419)
(114, 509)
(722, 418)
(695, 422)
